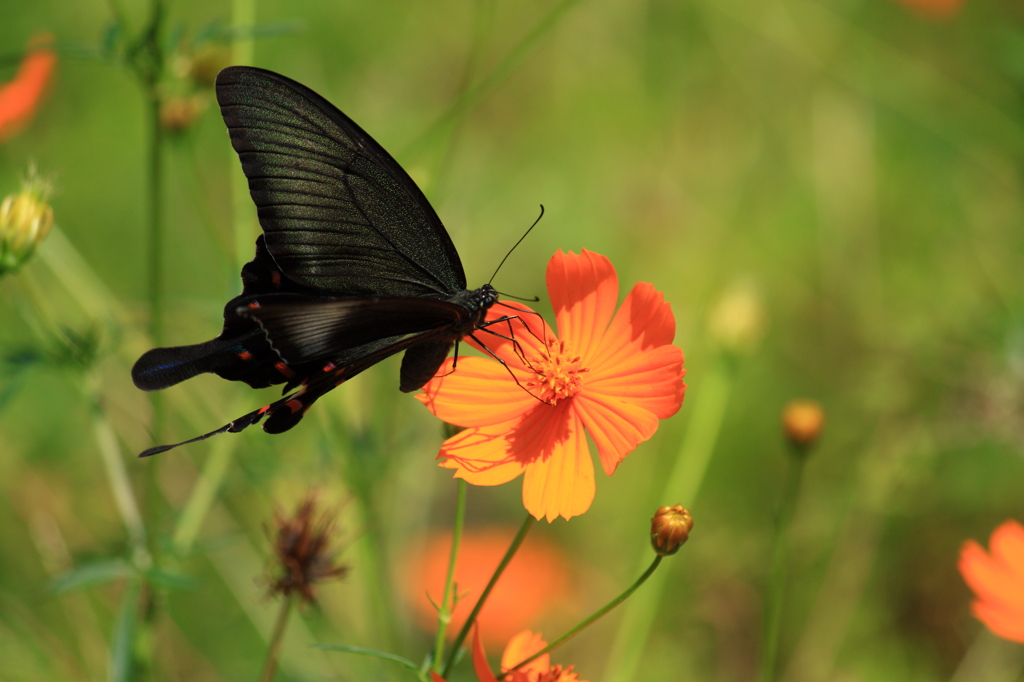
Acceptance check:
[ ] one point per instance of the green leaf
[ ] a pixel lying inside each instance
(91, 575)
(369, 652)
(124, 633)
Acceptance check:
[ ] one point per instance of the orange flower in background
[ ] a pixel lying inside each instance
(610, 374)
(537, 580)
(937, 9)
(997, 580)
(520, 647)
(20, 97)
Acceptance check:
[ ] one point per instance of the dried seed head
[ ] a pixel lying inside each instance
(304, 554)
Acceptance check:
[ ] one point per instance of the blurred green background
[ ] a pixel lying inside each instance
(854, 165)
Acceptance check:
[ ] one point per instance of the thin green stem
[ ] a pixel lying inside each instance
(777, 578)
(597, 614)
(117, 476)
(511, 552)
(444, 613)
(204, 494)
(490, 82)
(710, 398)
(277, 639)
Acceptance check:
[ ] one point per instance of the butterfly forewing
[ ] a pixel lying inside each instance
(338, 212)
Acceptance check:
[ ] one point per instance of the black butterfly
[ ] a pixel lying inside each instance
(353, 264)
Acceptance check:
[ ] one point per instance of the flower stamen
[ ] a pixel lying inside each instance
(557, 373)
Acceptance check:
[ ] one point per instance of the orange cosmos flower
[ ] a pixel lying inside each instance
(537, 580)
(937, 9)
(520, 647)
(20, 97)
(998, 580)
(610, 374)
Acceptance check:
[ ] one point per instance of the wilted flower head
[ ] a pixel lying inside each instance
(610, 374)
(20, 97)
(304, 553)
(670, 529)
(25, 220)
(997, 578)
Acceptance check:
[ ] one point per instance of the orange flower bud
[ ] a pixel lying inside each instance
(179, 113)
(670, 528)
(25, 220)
(802, 420)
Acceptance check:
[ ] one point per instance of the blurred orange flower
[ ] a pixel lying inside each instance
(610, 374)
(520, 647)
(939, 9)
(997, 579)
(20, 97)
(535, 581)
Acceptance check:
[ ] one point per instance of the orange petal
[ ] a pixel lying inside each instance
(559, 482)
(583, 291)
(651, 379)
(644, 321)
(989, 578)
(1005, 622)
(483, 671)
(616, 426)
(20, 97)
(478, 392)
(1007, 545)
(434, 677)
(520, 647)
(483, 456)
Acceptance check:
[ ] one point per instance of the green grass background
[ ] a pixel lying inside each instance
(855, 162)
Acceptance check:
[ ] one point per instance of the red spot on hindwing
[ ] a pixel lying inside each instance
(245, 355)
(284, 369)
(329, 366)
(294, 405)
(275, 278)
(254, 305)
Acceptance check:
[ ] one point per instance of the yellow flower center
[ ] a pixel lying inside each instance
(556, 373)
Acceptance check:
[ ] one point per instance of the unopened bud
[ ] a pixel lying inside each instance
(802, 420)
(179, 113)
(670, 528)
(25, 220)
(737, 319)
(206, 63)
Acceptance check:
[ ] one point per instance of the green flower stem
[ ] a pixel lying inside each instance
(710, 397)
(777, 578)
(444, 613)
(276, 639)
(511, 552)
(474, 95)
(597, 614)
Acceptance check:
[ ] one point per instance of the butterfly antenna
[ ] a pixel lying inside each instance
(517, 244)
